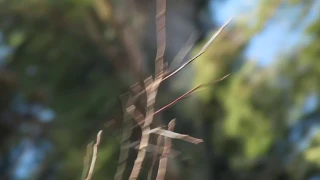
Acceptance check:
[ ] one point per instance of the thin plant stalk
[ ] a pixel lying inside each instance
(151, 87)
(155, 155)
(166, 151)
(125, 143)
(94, 156)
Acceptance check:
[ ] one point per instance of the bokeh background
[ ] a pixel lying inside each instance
(64, 64)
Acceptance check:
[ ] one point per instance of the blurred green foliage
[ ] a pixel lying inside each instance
(249, 111)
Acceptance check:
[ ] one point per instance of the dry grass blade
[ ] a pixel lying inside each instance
(86, 161)
(199, 87)
(183, 52)
(213, 37)
(151, 94)
(151, 87)
(138, 116)
(187, 94)
(125, 141)
(166, 151)
(155, 155)
(152, 148)
(174, 135)
(94, 156)
(204, 48)
(161, 36)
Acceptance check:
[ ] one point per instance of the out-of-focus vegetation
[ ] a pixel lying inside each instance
(63, 73)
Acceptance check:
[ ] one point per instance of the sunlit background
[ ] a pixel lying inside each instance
(65, 65)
